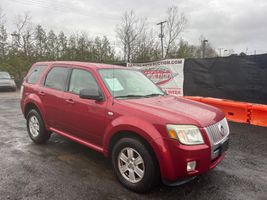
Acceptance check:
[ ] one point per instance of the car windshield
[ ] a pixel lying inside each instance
(4, 75)
(124, 83)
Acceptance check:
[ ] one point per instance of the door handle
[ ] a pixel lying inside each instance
(69, 101)
(41, 93)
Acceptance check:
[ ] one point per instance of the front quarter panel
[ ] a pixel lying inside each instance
(146, 131)
(133, 124)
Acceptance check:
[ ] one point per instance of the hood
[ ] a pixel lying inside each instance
(177, 110)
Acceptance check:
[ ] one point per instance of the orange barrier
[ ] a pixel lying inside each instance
(258, 115)
(242, 112)
(234, 111)
(194, 98)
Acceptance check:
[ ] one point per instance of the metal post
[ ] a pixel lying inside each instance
(161, 35)
(204, 47)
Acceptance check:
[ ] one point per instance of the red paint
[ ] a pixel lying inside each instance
(87, 121)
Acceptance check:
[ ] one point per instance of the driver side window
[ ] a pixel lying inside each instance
(81, 79)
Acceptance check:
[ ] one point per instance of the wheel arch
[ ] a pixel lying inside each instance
(126, 133)
(34, 105)
(131, 134)
(29, 106)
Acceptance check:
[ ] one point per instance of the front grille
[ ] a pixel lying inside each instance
(218, 132)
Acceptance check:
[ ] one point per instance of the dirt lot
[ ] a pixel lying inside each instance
(62, 169)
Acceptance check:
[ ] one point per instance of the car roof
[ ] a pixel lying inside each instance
(84, 64)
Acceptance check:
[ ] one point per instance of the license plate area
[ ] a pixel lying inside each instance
(224, 147)
(219, 150)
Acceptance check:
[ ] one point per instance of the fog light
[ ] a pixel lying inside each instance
(191, 166)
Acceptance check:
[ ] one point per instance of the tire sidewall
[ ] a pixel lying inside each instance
(150, 175)
(43, 135)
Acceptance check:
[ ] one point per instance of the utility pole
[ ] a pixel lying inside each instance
(204, 47)
(225, 52)
(220, 52)
(161, 35)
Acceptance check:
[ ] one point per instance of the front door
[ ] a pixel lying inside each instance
(84, 118)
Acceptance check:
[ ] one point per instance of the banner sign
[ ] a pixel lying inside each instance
(167, 74)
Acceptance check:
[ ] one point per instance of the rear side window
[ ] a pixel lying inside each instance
(35, 74)
(81, 79)
(57, 78)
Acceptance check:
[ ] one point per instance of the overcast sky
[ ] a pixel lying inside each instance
(229, 24)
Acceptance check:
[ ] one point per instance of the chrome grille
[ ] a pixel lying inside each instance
(218, 132)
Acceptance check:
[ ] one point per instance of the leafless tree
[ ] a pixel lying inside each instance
(176, 23)
(2, 17)
(147, 47)
(22, 36)
(3, 35)
(128, 33)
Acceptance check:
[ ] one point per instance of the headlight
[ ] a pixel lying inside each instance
(186, 134)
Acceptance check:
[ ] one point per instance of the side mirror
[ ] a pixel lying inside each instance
(91, 93)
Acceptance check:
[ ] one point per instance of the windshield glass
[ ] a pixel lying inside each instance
(123, 83)
(4, 75)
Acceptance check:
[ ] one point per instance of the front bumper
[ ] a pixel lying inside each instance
(181, 155)
(7, 87)
(207, 156)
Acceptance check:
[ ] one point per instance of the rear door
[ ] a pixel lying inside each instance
(55, 84)
(84, 118)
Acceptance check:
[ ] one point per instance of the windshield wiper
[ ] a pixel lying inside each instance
(140, 96)
(129, 96)
(154, 95)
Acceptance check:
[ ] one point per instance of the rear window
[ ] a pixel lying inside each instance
(35, 74)
(57, 78)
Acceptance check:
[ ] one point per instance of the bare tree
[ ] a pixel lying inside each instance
(176, 23)
(3, 36)
(22, 36)
(21, 52)
(2, 17)
(128, 33)
(147, 48)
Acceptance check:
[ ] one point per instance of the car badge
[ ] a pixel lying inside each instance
(221, 129)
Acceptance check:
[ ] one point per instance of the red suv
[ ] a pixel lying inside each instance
(149, 135)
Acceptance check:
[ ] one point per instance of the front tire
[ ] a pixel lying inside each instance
(134, 165)
(36, 128)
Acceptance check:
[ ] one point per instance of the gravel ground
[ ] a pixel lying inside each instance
(62, 169)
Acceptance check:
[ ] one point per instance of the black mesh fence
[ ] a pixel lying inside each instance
(241, 78)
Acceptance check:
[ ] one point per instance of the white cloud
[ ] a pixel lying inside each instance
(230, 24)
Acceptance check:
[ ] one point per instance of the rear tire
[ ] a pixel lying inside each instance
(36, 128)
(134, 165)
